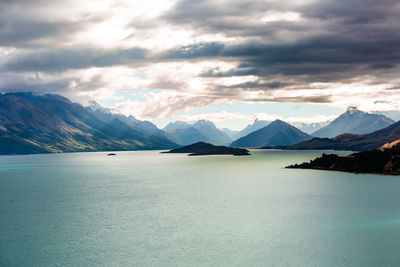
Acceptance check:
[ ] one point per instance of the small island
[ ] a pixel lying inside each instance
(202, 149)
(385, 160)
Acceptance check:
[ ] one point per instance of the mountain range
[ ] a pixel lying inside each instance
(32, 123)
(354, 142)
(116, 119)
(201, 131)
(277, 133)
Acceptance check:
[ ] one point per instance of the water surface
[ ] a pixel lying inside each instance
(150, 209)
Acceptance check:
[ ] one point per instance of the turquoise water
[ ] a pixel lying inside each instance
(152, 209)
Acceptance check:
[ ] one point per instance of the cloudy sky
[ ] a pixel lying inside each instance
(224, 60)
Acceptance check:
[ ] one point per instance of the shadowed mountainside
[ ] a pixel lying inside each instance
(32, 123)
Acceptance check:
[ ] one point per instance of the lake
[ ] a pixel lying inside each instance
(149, 209)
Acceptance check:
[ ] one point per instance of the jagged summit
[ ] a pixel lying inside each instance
(352, 109)
(94, 106)
(204, 123)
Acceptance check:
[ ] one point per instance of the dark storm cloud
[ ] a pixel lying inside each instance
(20, 33)
(61, 60)
(211, 14)
(353, 11)
(196, 51)
(345, 38)
(256, 85)
(352, 35)
(237, 18)
(299, 99)
(22, 24)
(321, 59)
(216, 72)
(10, 83)
(35, 83)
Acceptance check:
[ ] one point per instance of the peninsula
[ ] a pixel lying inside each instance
(385, 160)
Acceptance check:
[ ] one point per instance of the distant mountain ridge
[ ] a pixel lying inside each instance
(353, 142)
(31, 123)
(187, 136)
(277, 133)
(232, 134)
(311, 127)
(354, 121)
(200, 131)
(176, 125)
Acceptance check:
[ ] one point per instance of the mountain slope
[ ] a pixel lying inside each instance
(277, 133)
(213, 134)
(256, 125)
(355, 122)
(32, 123)
(120, 120)
(352, 141)
(188, 136)
(176, 125)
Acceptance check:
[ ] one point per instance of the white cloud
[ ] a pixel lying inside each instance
(292, 120)
(274, 16)
(162, 104)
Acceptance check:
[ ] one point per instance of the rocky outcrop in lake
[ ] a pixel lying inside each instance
(202, 148)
